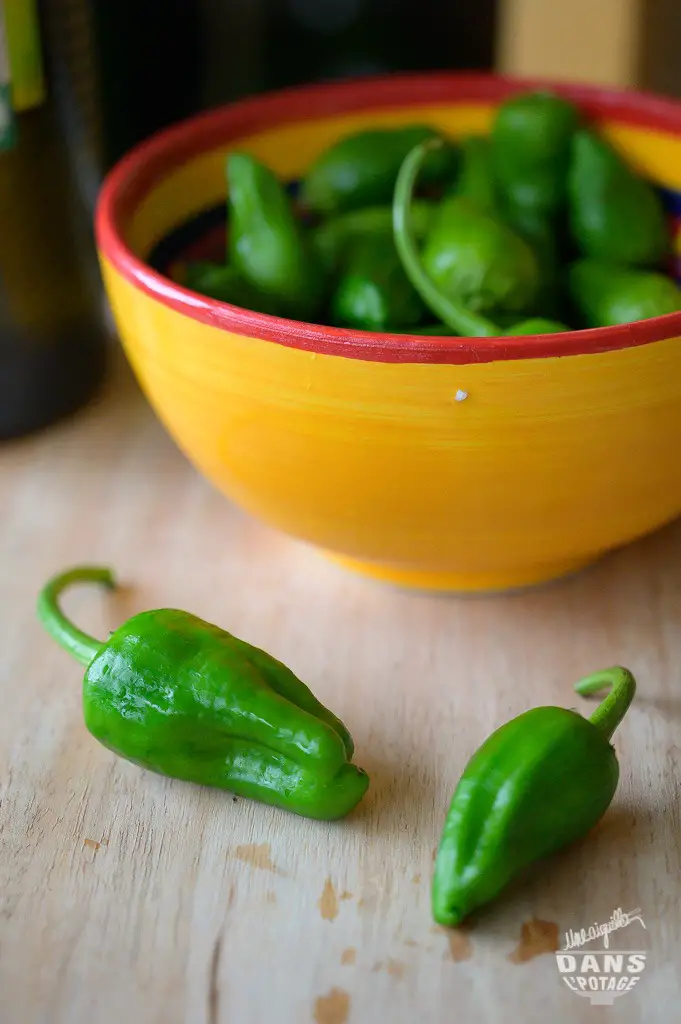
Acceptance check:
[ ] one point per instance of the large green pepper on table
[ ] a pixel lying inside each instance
(267, 244)
(360, 169)
(536, 784)
(183, 698)
(615, 214)
(607, 295)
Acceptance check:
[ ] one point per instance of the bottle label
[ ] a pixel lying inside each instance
(22, 79)
(7, 125)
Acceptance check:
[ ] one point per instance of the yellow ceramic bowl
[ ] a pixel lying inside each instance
(446, 463)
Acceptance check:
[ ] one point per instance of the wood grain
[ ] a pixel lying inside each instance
(127, 896)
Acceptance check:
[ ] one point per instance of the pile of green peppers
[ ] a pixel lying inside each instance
(539, 227)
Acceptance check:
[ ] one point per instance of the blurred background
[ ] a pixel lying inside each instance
(81, 81)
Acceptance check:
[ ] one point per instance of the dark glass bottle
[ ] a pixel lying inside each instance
(118, 70)
(52, 347)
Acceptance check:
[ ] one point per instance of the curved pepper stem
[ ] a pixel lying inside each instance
(454, 314)
(82, 646)
(614, 707)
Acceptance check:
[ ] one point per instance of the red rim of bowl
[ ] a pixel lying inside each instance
(135, 175)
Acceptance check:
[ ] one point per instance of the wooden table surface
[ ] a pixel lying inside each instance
(125, 896)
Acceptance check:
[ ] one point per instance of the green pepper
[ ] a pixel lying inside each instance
(608, 295)
(615, 215)
(360, 169)
(374, 293)
(476, 179)
(542, 234)
(267, 243)
(531, 137)
(470, 264)
(477, 259)
(181, 697)
(225, 283)
(536, 784)
(536, 325)
(335, 239)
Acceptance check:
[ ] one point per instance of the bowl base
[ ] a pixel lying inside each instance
(498, 581)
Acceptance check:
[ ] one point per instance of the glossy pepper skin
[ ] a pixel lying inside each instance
(360, 169)
(336, 238)
(608, 295)
(470, 265)
(531, 143)
(534, 223)
(542, 234)
(536, 784)
(536, 325)
(374, 293)
(533, 325)
(476, 180)
(181, 697)
(476, 258)
(615, 215)
(530, 139)
(267, 244)
(226, 284)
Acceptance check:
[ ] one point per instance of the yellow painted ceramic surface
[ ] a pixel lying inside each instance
(545, 464)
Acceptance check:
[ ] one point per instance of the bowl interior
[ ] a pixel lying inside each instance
(182, 213)
(203, 236)
(165, 201)
(200, 237)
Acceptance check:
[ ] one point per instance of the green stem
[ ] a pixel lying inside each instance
(613, 708)
(82, 646)
(476, 180)
(455, 314)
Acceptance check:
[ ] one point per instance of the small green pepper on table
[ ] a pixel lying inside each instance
(539, 782)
